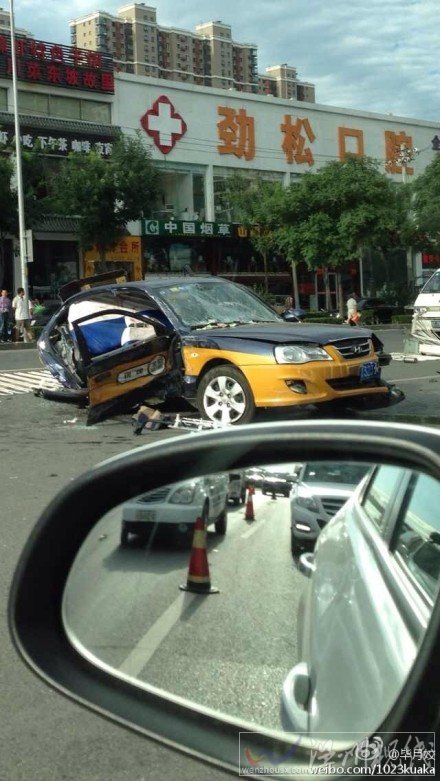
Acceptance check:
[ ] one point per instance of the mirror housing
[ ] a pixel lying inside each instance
(35, 616)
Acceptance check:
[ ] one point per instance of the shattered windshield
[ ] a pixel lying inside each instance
(204, 305)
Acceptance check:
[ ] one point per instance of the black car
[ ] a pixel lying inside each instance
(276, 483)
(382, 311)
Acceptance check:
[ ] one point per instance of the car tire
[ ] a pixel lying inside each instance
(224, 396)
(295, 545)
(236, 501)
(125, 534)
(221, 523)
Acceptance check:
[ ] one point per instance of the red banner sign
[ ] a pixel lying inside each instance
(52, 63)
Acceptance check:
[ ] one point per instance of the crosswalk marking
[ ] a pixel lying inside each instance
(26, 380)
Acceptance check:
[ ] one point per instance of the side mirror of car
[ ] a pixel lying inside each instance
(290, 317)
(194, 648)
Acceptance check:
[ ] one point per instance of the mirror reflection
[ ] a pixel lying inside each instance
(292, 596)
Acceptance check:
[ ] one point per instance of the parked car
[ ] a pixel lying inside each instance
(177, 507)
(374, 578)
(320, 491)
(209, 340)
(237, 487)
(382, 311)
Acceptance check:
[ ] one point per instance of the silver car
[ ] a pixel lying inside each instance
(321, 489)
(374, 578)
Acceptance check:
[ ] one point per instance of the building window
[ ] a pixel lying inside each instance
(65, 107)
(3, 98)
(33, 102)
(95, 111)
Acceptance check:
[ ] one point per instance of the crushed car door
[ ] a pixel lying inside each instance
(122, 353)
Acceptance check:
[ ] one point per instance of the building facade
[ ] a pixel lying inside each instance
(65, 103)
(201, 136)
(207, 57)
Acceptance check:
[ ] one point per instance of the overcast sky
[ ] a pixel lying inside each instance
(374, 55)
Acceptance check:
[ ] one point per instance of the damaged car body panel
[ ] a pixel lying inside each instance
(208, 340)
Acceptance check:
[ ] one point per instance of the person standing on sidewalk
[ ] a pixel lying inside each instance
(23, 311)
(5, 315)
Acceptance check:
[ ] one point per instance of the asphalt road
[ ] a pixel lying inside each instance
(231, 651)
(44, 736)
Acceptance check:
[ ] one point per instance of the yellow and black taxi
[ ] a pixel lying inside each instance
(208, 340)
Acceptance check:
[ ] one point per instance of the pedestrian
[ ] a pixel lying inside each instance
(5, 316)
(353, 315)
(23, 311)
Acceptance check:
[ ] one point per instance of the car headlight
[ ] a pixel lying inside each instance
(183, 495)
(420, 310)
(309, 502)
(292, 353)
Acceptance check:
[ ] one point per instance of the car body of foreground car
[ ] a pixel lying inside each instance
(374, 579)
(209, 340)
(320, 491)
(175, 508)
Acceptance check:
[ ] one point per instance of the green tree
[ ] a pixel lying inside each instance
(426, 204)
(258, 203)
(331, 214)
(107, 194)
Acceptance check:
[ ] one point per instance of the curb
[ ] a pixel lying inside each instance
(18, 346)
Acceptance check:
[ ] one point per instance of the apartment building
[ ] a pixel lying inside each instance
(207, 57)
(5, 25)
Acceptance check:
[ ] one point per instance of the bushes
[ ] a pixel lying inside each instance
(401, 319)
(325, 319)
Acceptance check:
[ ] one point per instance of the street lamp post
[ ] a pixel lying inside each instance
(19, 172)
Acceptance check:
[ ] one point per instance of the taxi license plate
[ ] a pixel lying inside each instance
(369, 371)
(145, 515)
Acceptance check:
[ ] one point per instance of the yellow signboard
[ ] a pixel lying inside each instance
(126, 254)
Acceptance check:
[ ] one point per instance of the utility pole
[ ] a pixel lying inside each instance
(18, 166)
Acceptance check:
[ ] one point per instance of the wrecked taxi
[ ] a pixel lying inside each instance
(208, 340)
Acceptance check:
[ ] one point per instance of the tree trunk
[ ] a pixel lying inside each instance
(295, 284)
(340, 294)
(266, 283)
(327, 289)
(2, 262)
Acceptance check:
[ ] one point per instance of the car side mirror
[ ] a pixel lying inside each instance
(78, 535)
(289, 317)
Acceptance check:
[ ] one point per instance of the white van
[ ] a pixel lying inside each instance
(426, 318)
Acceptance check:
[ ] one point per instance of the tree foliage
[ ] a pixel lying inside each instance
(426, 203)
(107, 194)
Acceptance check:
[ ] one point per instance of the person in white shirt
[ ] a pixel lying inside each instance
(22, 313)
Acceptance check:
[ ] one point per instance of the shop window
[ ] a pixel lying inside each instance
(34, 102)
(94, 111)
(65, 107)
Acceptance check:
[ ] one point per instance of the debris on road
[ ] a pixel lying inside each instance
(154, 420)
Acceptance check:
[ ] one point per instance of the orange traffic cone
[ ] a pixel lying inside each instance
(249, 514)
(198, 579)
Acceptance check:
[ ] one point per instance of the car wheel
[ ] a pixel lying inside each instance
(221, 523)
(125, 534)
(224, 396)
(236, 501)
